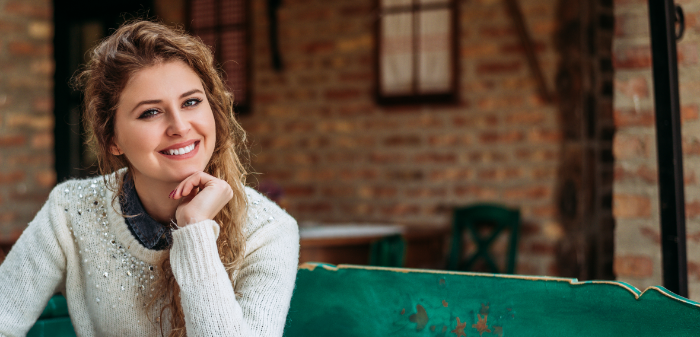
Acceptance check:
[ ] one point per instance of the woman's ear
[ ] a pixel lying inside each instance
(115, 150)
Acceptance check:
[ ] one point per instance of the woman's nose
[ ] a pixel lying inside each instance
(178, 124)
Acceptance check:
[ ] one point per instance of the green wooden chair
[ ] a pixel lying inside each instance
(502, 220)
(388, 252)
(54, 320)
(363, 301)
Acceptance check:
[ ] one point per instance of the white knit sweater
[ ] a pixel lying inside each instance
(80, 246)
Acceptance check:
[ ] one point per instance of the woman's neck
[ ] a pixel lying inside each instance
(154, 198)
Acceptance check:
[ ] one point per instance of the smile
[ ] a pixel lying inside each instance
(181, 153)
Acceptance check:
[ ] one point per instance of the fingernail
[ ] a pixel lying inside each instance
(171, 194)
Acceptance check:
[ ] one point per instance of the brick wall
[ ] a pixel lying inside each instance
(636, 206)
(26, 112)
(339, 157)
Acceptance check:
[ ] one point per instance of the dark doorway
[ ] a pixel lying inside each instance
(79, 24)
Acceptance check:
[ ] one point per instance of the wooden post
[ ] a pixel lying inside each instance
(662, 14)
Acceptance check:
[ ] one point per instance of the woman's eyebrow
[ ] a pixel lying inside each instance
(154, 101)
(190, 93)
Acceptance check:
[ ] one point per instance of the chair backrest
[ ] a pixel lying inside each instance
(54, 320)
(349, 301)
(388, 251)
(501, 219)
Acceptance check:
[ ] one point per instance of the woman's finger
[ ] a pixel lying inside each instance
(195, 180)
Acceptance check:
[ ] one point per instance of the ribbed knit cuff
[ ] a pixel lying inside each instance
(194, 256)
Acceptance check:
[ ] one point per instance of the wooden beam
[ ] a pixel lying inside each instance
(516, 14)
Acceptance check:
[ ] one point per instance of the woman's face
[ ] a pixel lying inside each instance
(164, 124)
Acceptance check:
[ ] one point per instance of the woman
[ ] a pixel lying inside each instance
(168, 241)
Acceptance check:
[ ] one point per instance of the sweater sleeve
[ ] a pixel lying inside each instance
(32, 272)
(265, 281)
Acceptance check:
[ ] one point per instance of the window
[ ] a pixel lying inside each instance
(416, 51)
(223, 25)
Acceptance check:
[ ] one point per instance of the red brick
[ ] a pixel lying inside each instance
(436, 158)
(517, 48)
(633, 117)
(363, 77)
(636, 266)
(342, 94)
(400, 210)
(313, 143)
(302, 159)
(318, 47)
(356, 110)
(492, 156)
(544, 136)
(632, 57)
(405, 175)
(376, 191)
(490, 137)
(527, 193)
(449, 140)
(540, 248)
(473, 50)
(21, 48)
(651, 234)
(548, 211)
(692, 209)
(12, 140)
(476, 122)
(423, 192)
(526, 118)
(643, 172)
(11, 177)
(477, 192)
(299, 191)
(300, 95)
(386, 158)
(22, 8)
(496, 32)
(338, 191)
(493, 103)
(314, 207)
(301, 127)
(407, 140)
(631, 146)
(46, 178)
(631, 206)
(493, 67)
(359, 174)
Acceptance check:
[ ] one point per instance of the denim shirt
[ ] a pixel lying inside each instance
(150, 233)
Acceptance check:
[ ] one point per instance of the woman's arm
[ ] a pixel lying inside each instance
(265, 281)
(32, 272)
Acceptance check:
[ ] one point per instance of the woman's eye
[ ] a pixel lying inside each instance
(148, 114)
(191, 102)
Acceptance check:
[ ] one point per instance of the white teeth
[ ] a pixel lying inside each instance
(181, 151)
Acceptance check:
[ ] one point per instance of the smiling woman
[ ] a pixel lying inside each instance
(169, 239)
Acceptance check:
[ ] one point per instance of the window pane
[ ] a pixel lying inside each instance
(433, 2)
(396, 54)
(232, 12)
(233, 57)
(209, 39)
(435, 73)
(395, 3)
(203, 13)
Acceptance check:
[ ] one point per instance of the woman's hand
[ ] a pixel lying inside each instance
(203, 197)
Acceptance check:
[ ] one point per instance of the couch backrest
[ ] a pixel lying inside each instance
(350, 300)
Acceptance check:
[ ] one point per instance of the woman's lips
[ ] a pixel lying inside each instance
(192, 152)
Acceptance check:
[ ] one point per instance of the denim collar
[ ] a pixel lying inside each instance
(150, 233)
